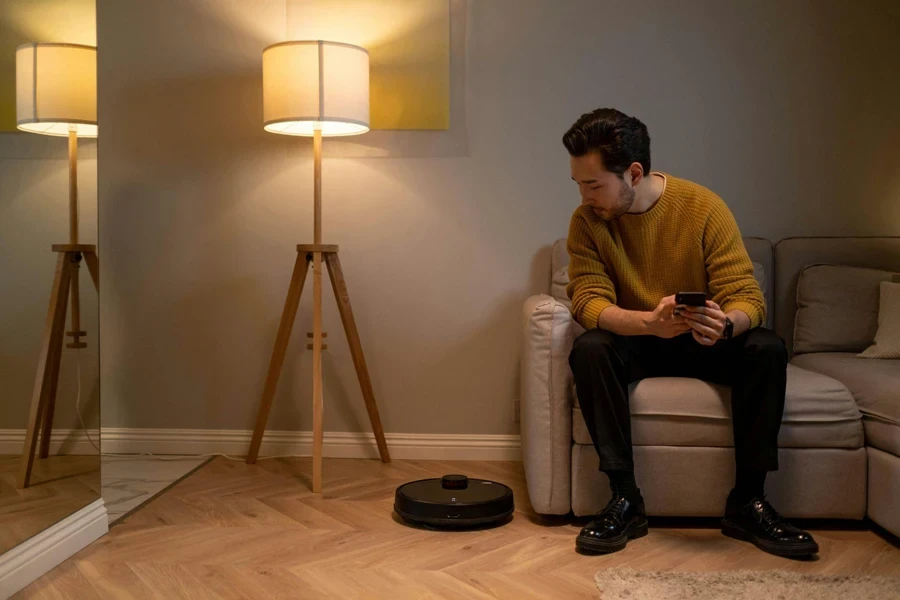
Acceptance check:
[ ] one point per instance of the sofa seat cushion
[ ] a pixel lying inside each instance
(673, 411)
(875, 385)
(882, 435)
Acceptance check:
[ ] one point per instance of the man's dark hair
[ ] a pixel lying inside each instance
(620, 140)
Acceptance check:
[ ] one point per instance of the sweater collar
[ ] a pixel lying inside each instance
(659, 207)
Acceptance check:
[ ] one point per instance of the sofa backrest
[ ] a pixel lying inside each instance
(759, 250)
(560, 256)
(793, 254)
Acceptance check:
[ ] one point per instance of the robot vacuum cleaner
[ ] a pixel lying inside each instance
(454, 501)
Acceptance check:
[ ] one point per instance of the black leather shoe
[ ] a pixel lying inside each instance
(760, 524)
(620, 521)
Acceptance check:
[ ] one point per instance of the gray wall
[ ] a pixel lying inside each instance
(786, 109)
(34, 214)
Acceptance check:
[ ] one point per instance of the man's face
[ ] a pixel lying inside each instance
(609, 196)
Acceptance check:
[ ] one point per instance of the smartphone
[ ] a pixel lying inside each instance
(690, 299)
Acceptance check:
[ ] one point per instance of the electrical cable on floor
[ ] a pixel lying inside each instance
(143, 454)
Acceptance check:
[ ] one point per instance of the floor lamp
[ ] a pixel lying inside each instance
(316, 89)
(56, 94)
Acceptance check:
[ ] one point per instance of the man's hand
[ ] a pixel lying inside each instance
(708, 323)
(664, 323)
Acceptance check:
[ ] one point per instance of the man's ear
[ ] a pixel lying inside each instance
(637, 173)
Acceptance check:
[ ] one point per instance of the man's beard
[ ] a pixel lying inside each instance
(623, 202)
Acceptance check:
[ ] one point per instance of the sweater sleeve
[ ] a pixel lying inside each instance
(590, 288)
(731, 282)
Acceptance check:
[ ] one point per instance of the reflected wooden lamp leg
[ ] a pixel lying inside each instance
(48, 368)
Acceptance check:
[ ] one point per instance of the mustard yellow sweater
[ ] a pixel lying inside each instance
(687, 242)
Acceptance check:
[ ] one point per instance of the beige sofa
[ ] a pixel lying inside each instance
(839, 442)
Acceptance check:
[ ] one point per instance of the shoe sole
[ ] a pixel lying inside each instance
(587, 544)
(791, 551)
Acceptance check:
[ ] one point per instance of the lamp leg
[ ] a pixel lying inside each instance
(73, 187)
(76, 331)
(301, 267)
(51, 347)
(50, 400)
(318, 434)
(318, 408)
(342, 296)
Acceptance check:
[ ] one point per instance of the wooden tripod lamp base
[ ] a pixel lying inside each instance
(43, 399)
(306, 254)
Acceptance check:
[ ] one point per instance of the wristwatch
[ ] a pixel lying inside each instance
(729, 329)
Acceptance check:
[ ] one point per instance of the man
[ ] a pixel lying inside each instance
(637, 239)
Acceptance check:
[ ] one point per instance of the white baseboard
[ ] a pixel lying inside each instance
(335, 445)
(421, 446)
(62, 441)
(37, 555)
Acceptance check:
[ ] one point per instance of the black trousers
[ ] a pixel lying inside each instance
(754, 364)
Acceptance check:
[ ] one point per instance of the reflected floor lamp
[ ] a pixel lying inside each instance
(56, 94)
(316, 89)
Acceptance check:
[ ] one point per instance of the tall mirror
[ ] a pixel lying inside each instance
(49, 355)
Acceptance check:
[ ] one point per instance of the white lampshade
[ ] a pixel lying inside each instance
(316, 85)
(56, 89)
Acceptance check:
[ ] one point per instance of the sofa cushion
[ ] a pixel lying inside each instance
(792, 255)
(882, 434)
(672, 411)
(837, 308)
(875, 385)
(887, 339)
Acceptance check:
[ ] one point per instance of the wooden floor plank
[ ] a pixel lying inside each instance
(60, 486)
(239, 531)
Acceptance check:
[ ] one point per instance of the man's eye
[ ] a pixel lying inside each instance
(596, 187)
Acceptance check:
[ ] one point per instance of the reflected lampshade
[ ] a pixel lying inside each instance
(56, 89)
(314, 85)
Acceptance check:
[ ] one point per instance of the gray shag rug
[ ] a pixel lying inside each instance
(627, 584)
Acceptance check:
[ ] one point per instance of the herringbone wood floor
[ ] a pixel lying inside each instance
(238, 531)
(60, 486)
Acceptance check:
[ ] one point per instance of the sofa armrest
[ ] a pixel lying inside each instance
(546, 403)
